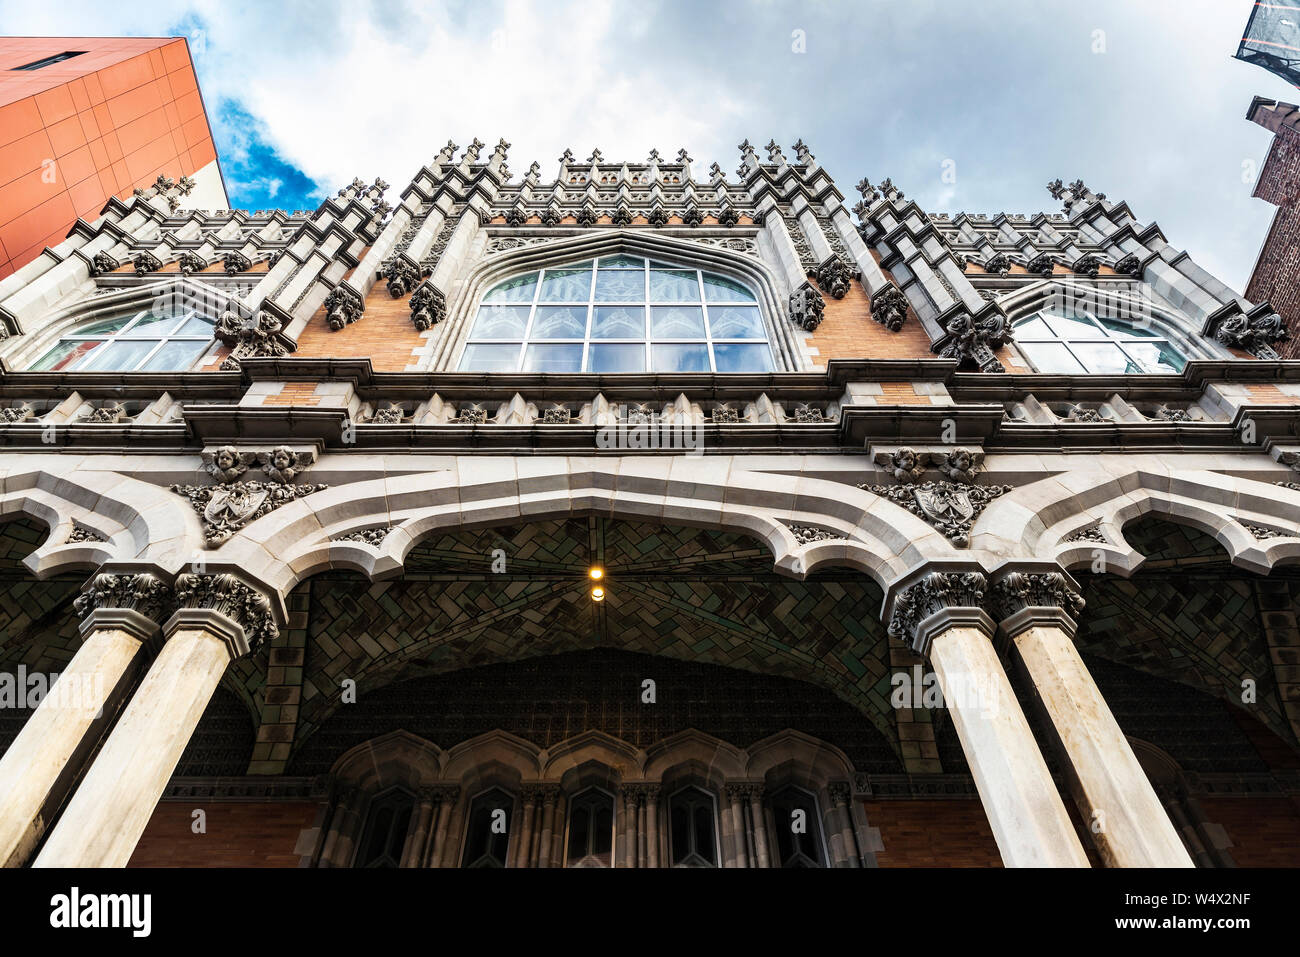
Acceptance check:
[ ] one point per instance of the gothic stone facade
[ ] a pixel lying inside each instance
(927, 539)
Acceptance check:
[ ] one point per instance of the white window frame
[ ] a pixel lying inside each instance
(89, 362)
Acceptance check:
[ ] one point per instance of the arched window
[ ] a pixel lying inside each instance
(488, 838)
(162, 341)
(591, 829)
(691, 829)
(621, 314)
(1078, 341)
(798, 828)
(387, 821)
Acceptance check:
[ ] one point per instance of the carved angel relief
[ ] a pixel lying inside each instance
(951, 505)
(234, 502)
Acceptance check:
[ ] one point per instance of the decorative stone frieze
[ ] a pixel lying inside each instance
(889, 308)
(1090, 534)
(22, 412)
(191, 262)
(807, 534)
(1255, 332)
(1166, 414)
(80, 533)
(146, 262)
(951, 506)
(1080, 413)
(227, 507)
(230, 597)
(1016, 591)
(106, 415)
(390, 414)
(807, 307)
(428, 306)
(367, 536)
(1263, 532)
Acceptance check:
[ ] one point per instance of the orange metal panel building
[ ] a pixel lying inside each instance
(77, 129)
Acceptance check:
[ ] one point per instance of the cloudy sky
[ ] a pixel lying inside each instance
(1140, 98)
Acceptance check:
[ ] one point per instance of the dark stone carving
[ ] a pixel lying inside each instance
(805, 414)
(933, 593)
(999, 263)
(1041, 264)
(192, 262)
(106, 415)
(552, 216)
(229, 506)
(889, 307)
(807, 534)
(1263, 532)
(906, 465)
(236, 262)
(367, 536)
(1080, 413)
(834, 277)
(950, 506)
(1130, 265)
(727, 216)
(391, 414)
(428, 306)
(586, 216)
(557, 415)
(1089, 265)
(622, 217)
(102, 263)
(692, 216)
(229, 596)
(402, 276)
(342, 306)
(972, 340)
(258, 337)
(1019, 590)
(140, 592)
(807, 307)
(80, 533)
(1254, 333)
(22, 412)
(725, 415)
(1090, 534)
(658, 217)
(146, 262)
(1167, 414)
(516, 216)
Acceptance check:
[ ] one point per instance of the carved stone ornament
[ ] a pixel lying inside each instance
(1253, 333)
(658, 217)
(1081, 413)
(807, 307)
(367, 536)
(391, 414)
(236, 262)
(1089, 265)
(22, 412)
(834, 277)
(951, 506)
(931, 594)
(973, 340)
(727, 216)
(692, 216)
(1130, 265)
(889, 308)
(586, 216)
(228, 596)
(342, 306)
(516, 216)
(229, 506)
(402, 276)
(1263, 532)
(1042, 264)
(1090, 534)
(146, 262)
(906, 465)
(622, 216)
(557, 415)
(102, 263)
(1019, 590)
(428, 306)
(106, 415)
(140, 592)
(807, 534)
(998, 263)
(256, 337)
(80, 533)
(191, 262)
(1166, 414)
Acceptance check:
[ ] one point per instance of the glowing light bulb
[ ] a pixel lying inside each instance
(598, 594)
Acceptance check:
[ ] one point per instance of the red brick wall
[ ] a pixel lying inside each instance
(240, 834)
(1277, 274)
(933, 834)
(1265, 831)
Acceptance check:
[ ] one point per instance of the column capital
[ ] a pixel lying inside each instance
(935, 601)
(132, 601)
(1026, 598)
(743, 790)
(239, 614)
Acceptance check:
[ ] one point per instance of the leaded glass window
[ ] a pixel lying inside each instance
(488, 837)
(798, 828)
(1079, 341)
(692, 833)
(591, 829)
(618, 314)
(387, 821)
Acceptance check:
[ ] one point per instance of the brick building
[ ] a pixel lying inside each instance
(86, 118)
(1276, 277)
(636, 514)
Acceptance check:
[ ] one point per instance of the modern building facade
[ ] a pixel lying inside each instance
(86, 118)
(641, 515)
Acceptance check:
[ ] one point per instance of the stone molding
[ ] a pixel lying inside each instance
(222, 603)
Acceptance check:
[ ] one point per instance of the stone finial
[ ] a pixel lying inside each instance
(534, 173)
(716, 174)
(654, 157)
(596, 157)
(448, 152)
(774, 154)
(683, 157)
(803, 153)
(473, 150)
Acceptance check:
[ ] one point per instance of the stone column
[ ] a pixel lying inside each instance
(219, 618)
(444, 798)
(764, 857)
(841, 793)
(413, 852)
(652, 825)
(550, 793)
(735, 793)
(942, 614)
(1118, 803)
(120, 614)
(631, 800)
(344, 804)
(640, 830)
(525, 855)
